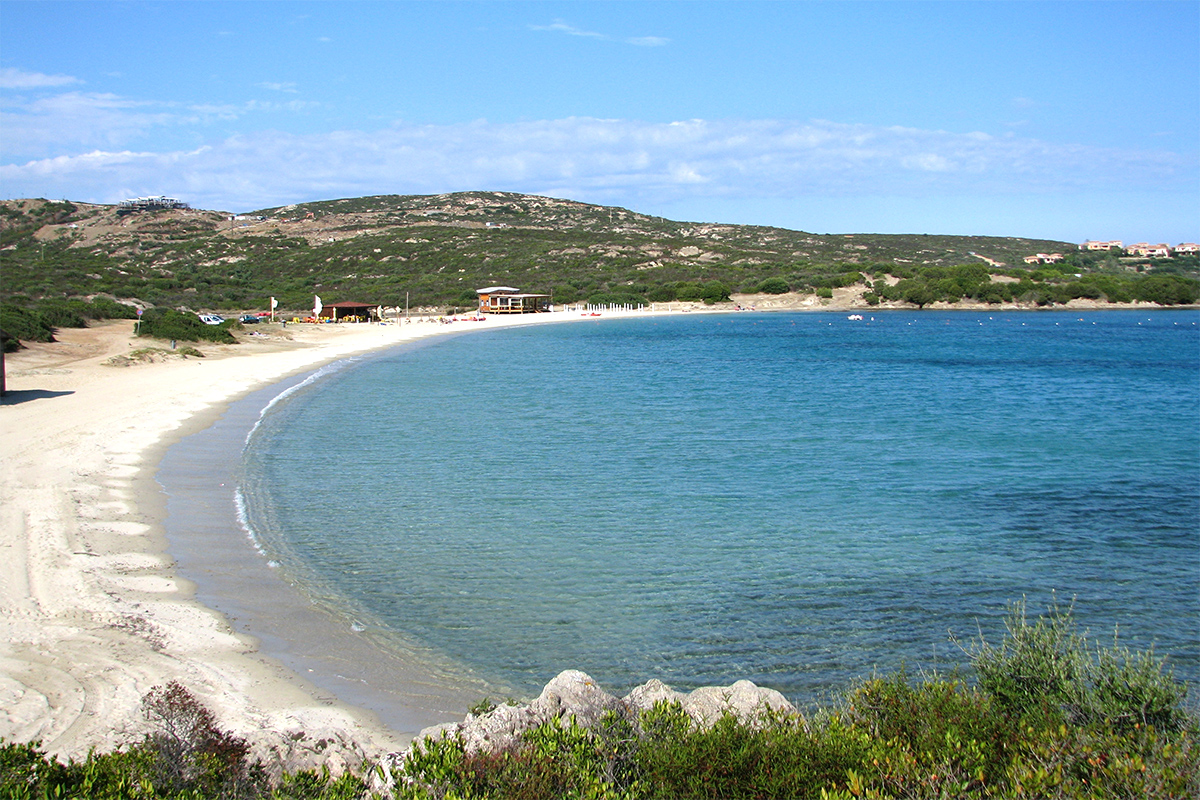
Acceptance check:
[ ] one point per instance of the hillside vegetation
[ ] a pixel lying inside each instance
(435, 251)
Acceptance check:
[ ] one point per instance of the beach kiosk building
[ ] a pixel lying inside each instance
(347, 310)
(507, 300)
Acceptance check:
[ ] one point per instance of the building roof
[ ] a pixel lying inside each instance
(494, 289)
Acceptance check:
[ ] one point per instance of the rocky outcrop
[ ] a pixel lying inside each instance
(574, 695)
(743, 699)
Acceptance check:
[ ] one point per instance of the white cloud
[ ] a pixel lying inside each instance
(273, 86)
(648, 41)
(559, 26)
(11, 78)
(75, 120)
(43, 125)
(631, 163)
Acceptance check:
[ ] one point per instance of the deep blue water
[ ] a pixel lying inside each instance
(796, 499)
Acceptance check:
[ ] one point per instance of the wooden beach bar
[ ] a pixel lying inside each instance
(347, 311)
(507, 300)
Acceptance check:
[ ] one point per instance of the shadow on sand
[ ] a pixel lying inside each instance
(12, 397)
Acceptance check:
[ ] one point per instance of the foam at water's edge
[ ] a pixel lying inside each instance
(328, 369)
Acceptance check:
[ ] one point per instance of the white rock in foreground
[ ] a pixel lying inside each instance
(573, 694)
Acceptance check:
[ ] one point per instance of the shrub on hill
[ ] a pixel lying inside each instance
(708, 291)
(774, 286)
(61, 314)
(167, 323)
(1168, 290)
(104, 308)
(21, 323)
(36, 321)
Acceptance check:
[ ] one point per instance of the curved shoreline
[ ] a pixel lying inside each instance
(93, 612)
(212, 546)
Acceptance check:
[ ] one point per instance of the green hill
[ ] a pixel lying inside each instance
(437, 249)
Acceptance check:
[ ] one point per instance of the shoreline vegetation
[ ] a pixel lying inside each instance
(1051, 715)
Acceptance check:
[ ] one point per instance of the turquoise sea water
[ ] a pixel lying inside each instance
(790, 498)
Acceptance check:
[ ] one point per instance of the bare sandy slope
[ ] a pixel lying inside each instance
(91, 614)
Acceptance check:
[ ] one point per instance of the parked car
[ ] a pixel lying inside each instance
(211, 319)
(249, 319)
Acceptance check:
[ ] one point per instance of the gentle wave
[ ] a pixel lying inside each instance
(319, 375)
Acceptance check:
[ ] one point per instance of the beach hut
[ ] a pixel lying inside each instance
(507, 300)
(347, 311)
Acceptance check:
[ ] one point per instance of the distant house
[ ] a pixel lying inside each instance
(347, 310)
(1090, 245)
(508, 300)
(1187, 247)
(1044, 258)
(1150, 250)
(148, 204)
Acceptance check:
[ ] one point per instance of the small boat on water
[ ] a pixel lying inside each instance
(855, 316)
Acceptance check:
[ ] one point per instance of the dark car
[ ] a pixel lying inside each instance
(249, 319)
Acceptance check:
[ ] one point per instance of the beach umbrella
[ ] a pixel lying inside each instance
(317, 305)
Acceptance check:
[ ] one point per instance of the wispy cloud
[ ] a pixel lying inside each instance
(273, 86)
(559, 26)
(75, 120)
(647, 41)
(622, 162)
(42, 124)
(11, 78)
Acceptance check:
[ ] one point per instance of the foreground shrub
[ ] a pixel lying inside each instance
(1051, 717)
(189, 752)
(938, 727)
(1100, 762)
(782, 756)
(1046, 672)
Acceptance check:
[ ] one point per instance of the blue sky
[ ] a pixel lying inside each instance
(1066, 121)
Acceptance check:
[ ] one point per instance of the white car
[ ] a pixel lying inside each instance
(211, 319)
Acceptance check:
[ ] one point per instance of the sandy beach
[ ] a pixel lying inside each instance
(92, 611)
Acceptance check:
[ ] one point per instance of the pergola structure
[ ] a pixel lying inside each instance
(507, 300)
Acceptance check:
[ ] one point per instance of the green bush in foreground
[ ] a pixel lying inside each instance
(1051, 717)
(1048, 672)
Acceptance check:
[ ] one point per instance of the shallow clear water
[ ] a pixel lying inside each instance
(790, 498)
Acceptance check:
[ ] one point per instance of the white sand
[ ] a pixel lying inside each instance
(91, 614)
